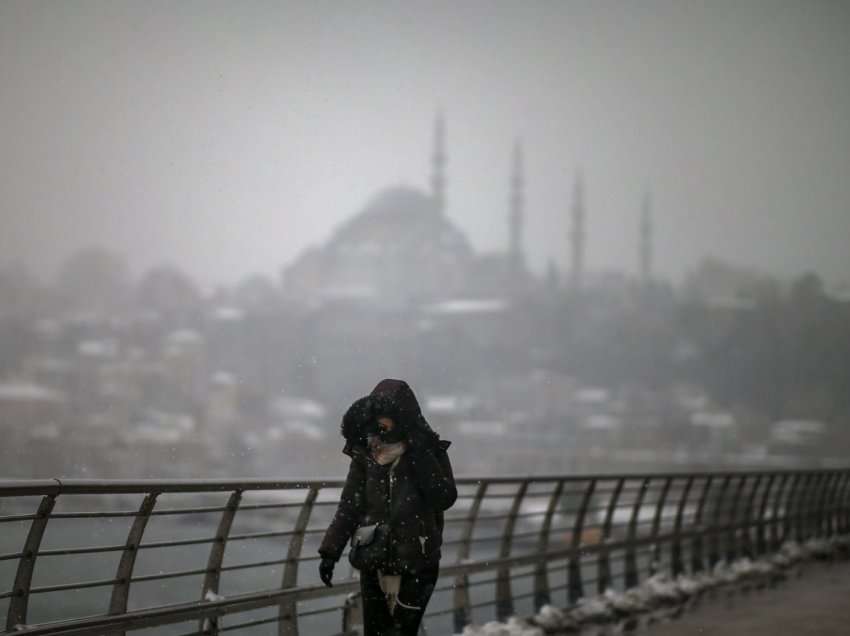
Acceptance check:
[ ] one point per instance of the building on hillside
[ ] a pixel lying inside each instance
(403, 250)
(400, 249)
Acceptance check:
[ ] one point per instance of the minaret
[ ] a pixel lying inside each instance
(438, 164)
(645, 254)
(516, 214)
(577, 233)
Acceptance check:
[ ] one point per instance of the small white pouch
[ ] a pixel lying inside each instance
(390, 585)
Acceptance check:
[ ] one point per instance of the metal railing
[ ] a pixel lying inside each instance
(204, 557)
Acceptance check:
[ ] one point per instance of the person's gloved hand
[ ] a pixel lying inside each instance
(326, 571)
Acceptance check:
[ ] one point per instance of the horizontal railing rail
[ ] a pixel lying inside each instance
(237, 550)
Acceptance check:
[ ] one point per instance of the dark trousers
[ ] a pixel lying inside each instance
(415, 591)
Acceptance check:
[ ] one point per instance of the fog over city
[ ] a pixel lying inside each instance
(226, 137)
(590, 235)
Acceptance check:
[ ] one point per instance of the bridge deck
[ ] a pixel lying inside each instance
(815, 604)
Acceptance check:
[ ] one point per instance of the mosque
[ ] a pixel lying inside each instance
(402, 249)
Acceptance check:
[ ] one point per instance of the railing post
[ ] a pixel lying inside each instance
(631, 569)
(816, 504)
(761, 538)
(842, 519)
(288, 612)
(462, 602)
(604, 560)
(809, 506)
(732, 534)
(212, 578)
(575, 587)
(504, 597)
(541, 574)
(17, 613)
(835, 508)
(352, 614)
(714, 533)
(746, 541)
(813, 505)
(825, 498)
(826, 526)
(121, 588)
(697, 561)
(790, 507)
(834, 503)
(801, 509)
(829, 503)
(777, 520)
(656, 525)
(677, 564)
(819, 503)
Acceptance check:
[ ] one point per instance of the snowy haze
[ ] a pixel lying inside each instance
(228, 136)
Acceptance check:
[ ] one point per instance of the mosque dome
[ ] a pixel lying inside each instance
(399, 248)
(401, 219)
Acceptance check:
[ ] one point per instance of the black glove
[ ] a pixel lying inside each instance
(326, 571)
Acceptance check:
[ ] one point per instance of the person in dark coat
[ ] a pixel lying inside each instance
(399, 477)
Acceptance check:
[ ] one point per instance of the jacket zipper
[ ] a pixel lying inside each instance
(391, 481)
(423, 536)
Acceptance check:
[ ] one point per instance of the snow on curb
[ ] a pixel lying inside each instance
(661, 591)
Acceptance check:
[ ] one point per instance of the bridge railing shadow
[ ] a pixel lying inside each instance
(204, 557)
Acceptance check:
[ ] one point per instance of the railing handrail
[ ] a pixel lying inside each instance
(21, 487)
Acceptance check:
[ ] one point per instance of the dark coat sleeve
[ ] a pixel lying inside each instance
(352, 503)
(435, 478)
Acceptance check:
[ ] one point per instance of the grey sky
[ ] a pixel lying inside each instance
(227, 136)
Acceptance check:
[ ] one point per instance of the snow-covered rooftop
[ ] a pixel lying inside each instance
(467, 306)
(796, 431)
(223, 378)
(710, 419)
(97, 348)
(299, 428)
(349, 292)
(228, 314)
(286, 406)
(21, 391)
(160, 427)
(184, 337)
(446, 404)
(602, 422)
(482, 427)
(592, 395)
(50, 431)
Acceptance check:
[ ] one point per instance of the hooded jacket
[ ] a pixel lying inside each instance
(422, 486)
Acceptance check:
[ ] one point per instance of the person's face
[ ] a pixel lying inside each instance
(386, 424)
(389, 430)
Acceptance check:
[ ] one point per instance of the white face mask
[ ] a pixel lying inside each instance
(385, 453)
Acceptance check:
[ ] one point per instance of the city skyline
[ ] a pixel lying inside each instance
(226, 140)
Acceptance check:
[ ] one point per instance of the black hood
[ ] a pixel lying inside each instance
(358, 422)
(390, 398)
(395, 399)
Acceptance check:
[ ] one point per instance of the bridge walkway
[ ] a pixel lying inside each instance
(817, 603)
